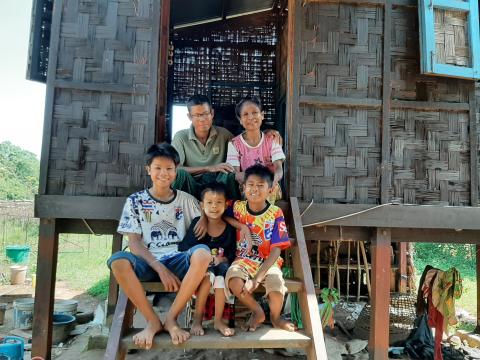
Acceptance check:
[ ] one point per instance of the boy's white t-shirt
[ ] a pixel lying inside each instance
(161, 224)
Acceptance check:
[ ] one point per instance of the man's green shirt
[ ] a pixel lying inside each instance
(194, 154)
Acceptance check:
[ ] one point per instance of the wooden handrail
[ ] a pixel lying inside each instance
(307, 298)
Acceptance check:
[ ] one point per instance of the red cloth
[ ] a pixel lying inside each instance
(435, 320)
(209, 312)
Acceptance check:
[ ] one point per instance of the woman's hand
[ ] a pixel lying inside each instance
(201, 227)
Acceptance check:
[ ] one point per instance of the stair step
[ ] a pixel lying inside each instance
(264, 337)
(293, 286)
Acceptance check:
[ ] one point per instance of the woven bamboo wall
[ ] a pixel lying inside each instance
(102, 118)
(339, 148)
(451, 38)
(340, 113)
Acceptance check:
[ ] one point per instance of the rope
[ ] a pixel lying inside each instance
(323, 222)
(89, 228)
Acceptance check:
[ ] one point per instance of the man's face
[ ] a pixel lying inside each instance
(201, 117)
(213, 204)
(162, 172)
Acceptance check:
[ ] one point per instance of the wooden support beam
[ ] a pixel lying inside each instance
(307, 298)
(473, 146)
(380, 315)
(45, 289)
(113, 285)
(430, 105)
(393, 216)
(402, 267)
(162, 72)
(366, 3)
(295, 15)
(386, 166)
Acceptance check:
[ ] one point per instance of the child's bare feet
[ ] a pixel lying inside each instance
(144, 338)
(177, 334)
(223, 328)
(257, 318)
(197, 328)
(279, 323)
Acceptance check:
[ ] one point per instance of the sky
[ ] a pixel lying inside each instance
(22, 101)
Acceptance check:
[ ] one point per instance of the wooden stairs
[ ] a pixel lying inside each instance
(310, 338)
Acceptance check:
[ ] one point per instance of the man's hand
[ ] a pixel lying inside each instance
(275, 136)
(201, 227)
(168, 279)
(250, 286)
(245, 235)
(223, 167)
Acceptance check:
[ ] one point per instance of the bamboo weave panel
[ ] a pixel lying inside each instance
(451, 38)
(98, 138)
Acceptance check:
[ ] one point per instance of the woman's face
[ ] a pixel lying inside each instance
(250, 116)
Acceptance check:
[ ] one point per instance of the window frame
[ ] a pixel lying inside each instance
(428, 65)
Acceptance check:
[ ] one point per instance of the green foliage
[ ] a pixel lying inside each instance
(100, 288)
(19, 173)
(445, 256)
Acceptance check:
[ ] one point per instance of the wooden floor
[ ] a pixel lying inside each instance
(264, 337)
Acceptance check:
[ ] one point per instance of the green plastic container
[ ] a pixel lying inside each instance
(18, 254)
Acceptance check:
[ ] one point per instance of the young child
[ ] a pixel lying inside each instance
(155, 220)
(253, 147)
(221, 239)
(263, 263)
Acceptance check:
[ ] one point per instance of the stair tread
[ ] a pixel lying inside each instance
(293, 286)
(263, 337)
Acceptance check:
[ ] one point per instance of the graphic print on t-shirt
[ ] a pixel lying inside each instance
(163, 234)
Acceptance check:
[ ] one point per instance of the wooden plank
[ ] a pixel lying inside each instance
(50, 94)
(155, 59)
(386, 166)
(335, 102)
(45, 289)
(79, 226)
(78, 207)
(380, 314)
(295, 14)
(395, 216)
(308, 299)
(264, 337)
(101, 87)
(440, 236)
(328, 233)
(367, 3)
(473, 146)
(116, 328)
(429, 105)
(162, 100)
(113, 285)
(402, 267)
(292, 285)
(477, 251)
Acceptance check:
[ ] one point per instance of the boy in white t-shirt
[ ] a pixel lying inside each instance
(155, 221)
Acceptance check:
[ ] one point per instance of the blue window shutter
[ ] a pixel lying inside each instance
(429, 64)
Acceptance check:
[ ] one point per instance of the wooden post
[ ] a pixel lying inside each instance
(402, 267)
(161, 123)
(477, 248)
(113, 285)
(45, 289)
(380, 300)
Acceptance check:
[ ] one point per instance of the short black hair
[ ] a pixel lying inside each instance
(198, 99)
(247, 99)
(164, 150)
(261, 171)
(215, 187)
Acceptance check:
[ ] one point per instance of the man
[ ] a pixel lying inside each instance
(203, 150)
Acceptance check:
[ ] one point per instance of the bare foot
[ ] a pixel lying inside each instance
(283, 324)
(197, 328)
(223, 328)
(144, 338)
(177, 334)
(257, 318)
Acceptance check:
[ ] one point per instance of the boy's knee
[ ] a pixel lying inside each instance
(119, 266)
(235, 285)
(201, 257)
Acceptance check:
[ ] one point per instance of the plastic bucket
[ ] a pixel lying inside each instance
(23, 313)
(12, 348)
(18, 273)
(18, 254)
(68, 307)
(3, 308)
(62, 326)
